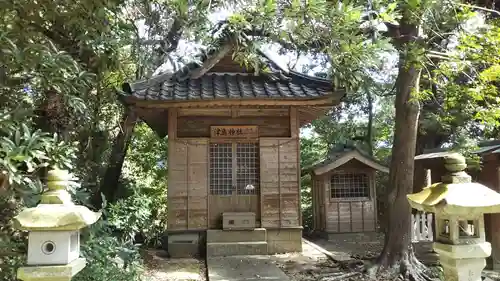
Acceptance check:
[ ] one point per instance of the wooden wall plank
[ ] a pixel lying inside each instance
(219, 204)
(234, 112)
(315, 201)
(369, 216)
(199, 126)
(197, 173)
(289, 183)
(372, 213)
(252, 112)
(279, 182)
(350, 216)
(177, 185)
(323, 205)
(357, 216)
(269, 169)
(295, 134)
(226, 112)
(332, 219)
(187, 184)
(344, 216)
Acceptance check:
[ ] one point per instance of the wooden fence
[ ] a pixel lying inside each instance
(421, 227)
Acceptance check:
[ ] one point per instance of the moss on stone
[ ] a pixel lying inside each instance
(47, 217)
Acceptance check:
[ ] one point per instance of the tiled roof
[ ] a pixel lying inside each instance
(182, 85)
(338, 152)
(492, 146)
(234, 86)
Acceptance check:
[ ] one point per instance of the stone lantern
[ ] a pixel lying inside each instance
(54, 232)
(459, 205)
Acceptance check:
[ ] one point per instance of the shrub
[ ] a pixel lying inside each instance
(141, 217)
(108, 257)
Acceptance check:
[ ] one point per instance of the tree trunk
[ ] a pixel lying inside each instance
(369, 129)
(397, 256)
(398, 241)
(109, 184)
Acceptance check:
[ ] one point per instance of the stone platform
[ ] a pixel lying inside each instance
(236, 242)
(258, 241)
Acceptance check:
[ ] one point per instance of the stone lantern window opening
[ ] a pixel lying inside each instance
(445, 229)
(467, 229)
(48, 247)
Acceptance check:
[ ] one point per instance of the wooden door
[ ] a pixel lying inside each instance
(234, 180)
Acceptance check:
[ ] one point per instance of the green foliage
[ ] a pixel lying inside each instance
(465, 90)
(312, 150)
(111, 258)
(12, 242)
(143, 213)
(23, 153)
(318, 28)
(146, 159)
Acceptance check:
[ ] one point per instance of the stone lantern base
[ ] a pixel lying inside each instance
(463, 262)
(51, 272)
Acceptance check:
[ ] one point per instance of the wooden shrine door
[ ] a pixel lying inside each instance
(234, 180)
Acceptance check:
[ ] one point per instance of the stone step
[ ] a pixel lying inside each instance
(224, 236)
(216, 249)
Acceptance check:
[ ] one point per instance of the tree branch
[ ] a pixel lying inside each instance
(83, 54)
(479, 8)
(173, 37)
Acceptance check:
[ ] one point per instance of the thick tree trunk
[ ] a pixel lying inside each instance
(397, 256)
(109, 184)
(398, 240)
(369, 129)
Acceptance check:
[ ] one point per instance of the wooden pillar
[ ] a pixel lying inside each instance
(428, 182)
(428, 177)
(294, 133)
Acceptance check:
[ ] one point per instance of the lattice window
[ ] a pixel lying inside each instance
(247, 168)
(234, 167)
(221, 168)
(349, 185)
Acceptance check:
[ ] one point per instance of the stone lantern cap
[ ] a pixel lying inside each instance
(456, 194)
(56, 210)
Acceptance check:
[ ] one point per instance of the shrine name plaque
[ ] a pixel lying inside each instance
(235, 132)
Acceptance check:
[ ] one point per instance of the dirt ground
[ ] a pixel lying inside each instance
(161, 268)
(492, 275)
(352, 245)
(368, 246)
(349, 253)
(308, 265)
(311, 264)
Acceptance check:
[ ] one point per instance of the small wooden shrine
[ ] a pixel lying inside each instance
(233, 149)
(343, 191)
